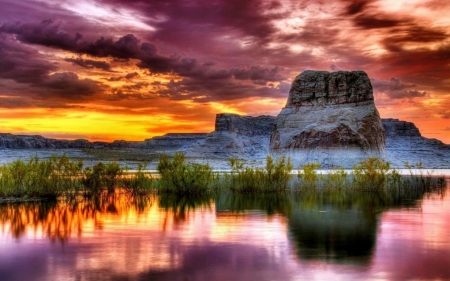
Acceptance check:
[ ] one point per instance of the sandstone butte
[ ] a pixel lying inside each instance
(329, 118)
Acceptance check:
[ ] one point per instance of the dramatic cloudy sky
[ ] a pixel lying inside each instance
(130, 69)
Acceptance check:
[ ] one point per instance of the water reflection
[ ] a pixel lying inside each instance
(181, 206)
(63, 219)
(216, 236)
(269, 203)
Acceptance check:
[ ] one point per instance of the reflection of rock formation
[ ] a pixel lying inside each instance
(270, 203)
(330, 225)
(329, 118)
(330, 234)
(342, 226)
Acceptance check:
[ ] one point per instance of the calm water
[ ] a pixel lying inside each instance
(307, 236)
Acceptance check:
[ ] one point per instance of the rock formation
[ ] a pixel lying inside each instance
(329, 118)
(10, 141)
(404, 143)
(173, 140)
(248, 138)
(397, 128)
(244, 125)
(235, 135)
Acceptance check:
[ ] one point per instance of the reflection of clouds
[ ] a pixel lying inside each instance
(413, 243)
(205, 243)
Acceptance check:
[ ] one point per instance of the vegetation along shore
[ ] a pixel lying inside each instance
(60, 176)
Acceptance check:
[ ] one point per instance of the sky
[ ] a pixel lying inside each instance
(130, 69)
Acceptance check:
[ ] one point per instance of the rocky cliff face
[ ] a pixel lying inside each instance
(174, 140)
(397, 128)
(33, 142)
(10, 141)
(404, 143)
(236, 135)
(328, 118)
(244, 125)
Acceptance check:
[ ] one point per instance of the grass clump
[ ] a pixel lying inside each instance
(140, 182)
(274, 177)
(180, 177)
(421, 180)
(39, 178)
(102, 176)
(370, 174)
(336, 179)
(308, 177)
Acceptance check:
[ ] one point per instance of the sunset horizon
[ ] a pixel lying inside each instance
(107, 70)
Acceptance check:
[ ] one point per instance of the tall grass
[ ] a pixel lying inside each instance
(274, 177)
(180, 177)
(140, 182)
(336, 179)
(371, 174)
(308, 177)
(101, 176)
(58, 176)
(39, 178)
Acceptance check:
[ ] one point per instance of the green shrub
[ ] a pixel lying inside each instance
(39, 178)
(370, 174)
(336, 179)
(102, 176)
(183, 178)
(140, 182)
(308, 177)
(274, 177)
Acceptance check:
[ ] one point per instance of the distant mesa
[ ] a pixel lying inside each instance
(397, 128)
(329, 118)
(244, 125)
(236, 135)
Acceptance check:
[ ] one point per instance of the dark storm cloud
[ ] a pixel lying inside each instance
(256, 73)
(129, 76)
(375, 21)
(206, 42)
(247, 16)
(46, 33)
(396, 89)
(401, 37)
(21, 63)
(15, 102)
(68, 85)
(394, 84)
(86, 63)
(24, 65)
(423, 66)
(130, 47)
(355, 7)
(217, 90)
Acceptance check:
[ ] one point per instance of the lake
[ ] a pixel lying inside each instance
(224, 236)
